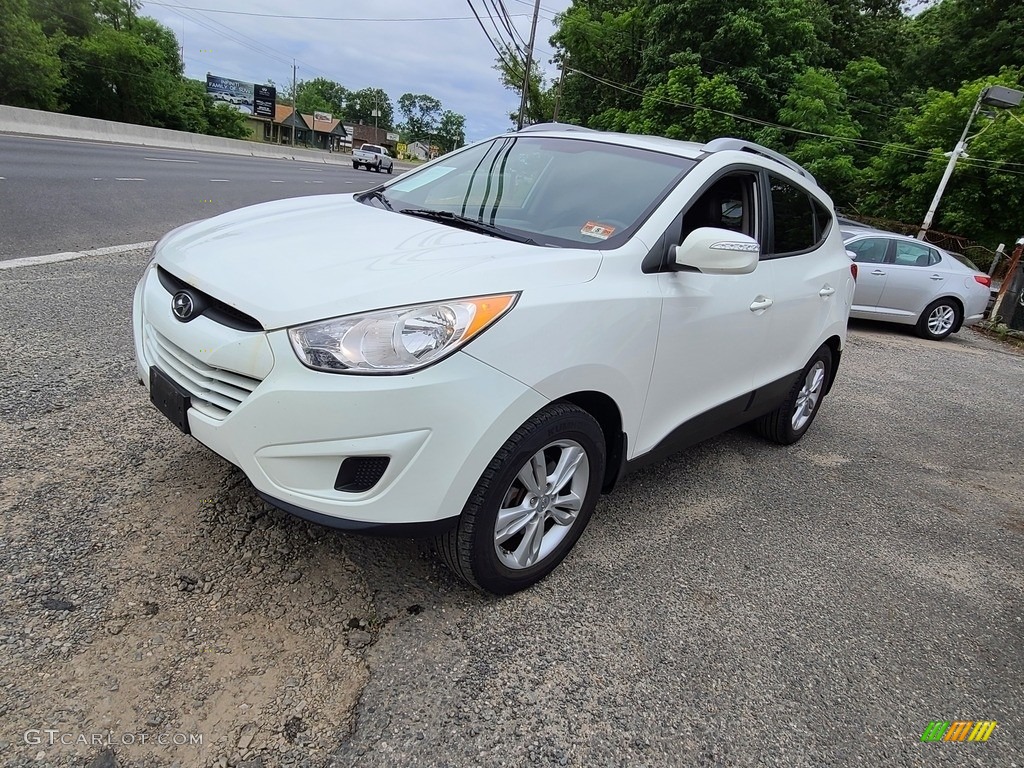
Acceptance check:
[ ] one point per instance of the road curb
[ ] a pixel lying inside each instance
(53, 258)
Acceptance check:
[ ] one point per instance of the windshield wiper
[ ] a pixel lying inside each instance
(377, 195)
(468, 223)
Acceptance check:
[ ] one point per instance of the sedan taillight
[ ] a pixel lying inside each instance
(853, 271)
(984, 280)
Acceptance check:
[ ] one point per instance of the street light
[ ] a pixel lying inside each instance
(993, 96)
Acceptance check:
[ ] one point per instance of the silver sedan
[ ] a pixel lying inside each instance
(903, 280)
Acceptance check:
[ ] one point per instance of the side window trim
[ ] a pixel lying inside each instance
(770, 218)
(657, 258)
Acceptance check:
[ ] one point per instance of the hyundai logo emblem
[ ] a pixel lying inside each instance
(182, 306)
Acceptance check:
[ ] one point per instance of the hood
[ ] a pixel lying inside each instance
(309, 258)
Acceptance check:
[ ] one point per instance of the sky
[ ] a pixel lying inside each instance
(366, 43)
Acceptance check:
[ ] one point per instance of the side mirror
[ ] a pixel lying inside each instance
(716, 251)
(851, 254)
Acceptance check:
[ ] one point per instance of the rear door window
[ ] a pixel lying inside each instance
(870, 250)
(909, 254)
(800, 222)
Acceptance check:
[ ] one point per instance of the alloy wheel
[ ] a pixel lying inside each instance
(810, 393)
(542, 504)
(941, 319)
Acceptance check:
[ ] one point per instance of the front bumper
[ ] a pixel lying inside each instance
(440, 427)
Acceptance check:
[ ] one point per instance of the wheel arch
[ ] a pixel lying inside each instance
(608, 416)
(835, 345)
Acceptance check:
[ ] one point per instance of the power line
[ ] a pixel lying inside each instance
(549, 10)
(505, 23)
(501, 55)
(508, 18)
(319, 18)
(257, 48)
(789, 129)
(731, 71)
(234, 34)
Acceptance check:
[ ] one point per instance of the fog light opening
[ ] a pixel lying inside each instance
(360, 473)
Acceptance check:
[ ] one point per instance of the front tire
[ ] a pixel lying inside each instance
(788, 423)
(355, 165)
(531, 503)
(939, 319)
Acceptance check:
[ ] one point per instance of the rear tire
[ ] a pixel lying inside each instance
(391, 168)
(531, 503)
(939, 319)
(788, 423)
(376, 168)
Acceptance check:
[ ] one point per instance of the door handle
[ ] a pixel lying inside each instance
(936, 277)
(877, 272)
(761, 303)
(826, 291)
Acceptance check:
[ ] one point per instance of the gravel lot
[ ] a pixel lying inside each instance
(740, 604)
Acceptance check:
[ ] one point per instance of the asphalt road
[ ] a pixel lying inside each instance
(63, 195)
(740, 604)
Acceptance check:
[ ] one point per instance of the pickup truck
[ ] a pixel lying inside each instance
(373, 156)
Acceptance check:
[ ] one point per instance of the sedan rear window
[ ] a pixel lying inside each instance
(556, 191)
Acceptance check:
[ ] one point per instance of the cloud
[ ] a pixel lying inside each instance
(448, 59)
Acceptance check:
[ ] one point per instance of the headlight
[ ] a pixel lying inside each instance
(396, 340)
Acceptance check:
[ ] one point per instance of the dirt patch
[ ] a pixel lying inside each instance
(156, 611)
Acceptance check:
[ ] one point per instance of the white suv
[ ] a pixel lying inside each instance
(478, 349)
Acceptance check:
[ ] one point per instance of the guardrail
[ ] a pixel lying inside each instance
(33, 122)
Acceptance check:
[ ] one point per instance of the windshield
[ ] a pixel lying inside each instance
(553, 191)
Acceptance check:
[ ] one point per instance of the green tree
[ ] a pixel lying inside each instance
(320, 95)
(422, 114)
(196, 104)
(361, 104)
(132, 76)
(118, 14)
(540, 104)
(74, 18)
(30, 70)
(957, 40)
(224, 120)
(451, 132)
(984, 199)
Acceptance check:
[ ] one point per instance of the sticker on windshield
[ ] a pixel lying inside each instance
(421, 178)
(595, 229)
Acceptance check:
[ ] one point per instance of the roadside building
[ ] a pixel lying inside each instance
(368, 134)
(289, 127)
(418, 150)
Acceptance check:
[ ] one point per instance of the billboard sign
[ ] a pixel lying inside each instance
(322, 117)
(264, 100)
(247, 98)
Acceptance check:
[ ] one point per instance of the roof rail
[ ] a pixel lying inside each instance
(554, 127)
(741, 145)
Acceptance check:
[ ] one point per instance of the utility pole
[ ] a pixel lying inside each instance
(558, 93)
(958, 150)
(295, 103)
(529, 64)
(992, 96)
